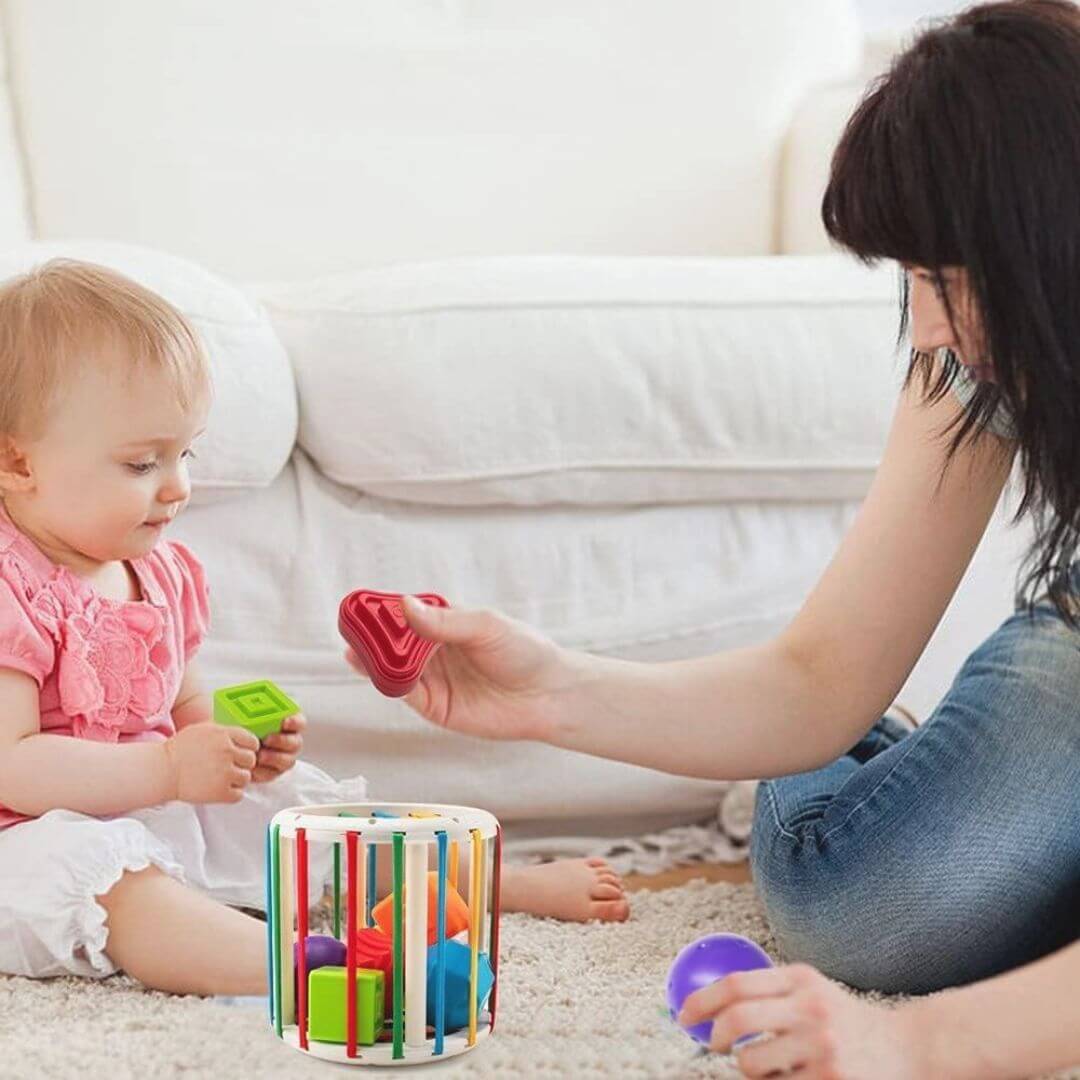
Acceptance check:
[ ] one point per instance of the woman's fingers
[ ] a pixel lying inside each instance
(739, 986)
(356, 663)
(772, 1056)
(455, 626)
(753, 1016)
(419, 698)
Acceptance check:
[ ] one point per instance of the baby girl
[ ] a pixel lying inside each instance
(131, 826)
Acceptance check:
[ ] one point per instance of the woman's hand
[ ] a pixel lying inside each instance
(492, 676)
(278, 752)
(814, 1029)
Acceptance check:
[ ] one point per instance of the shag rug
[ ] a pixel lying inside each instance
(580, 1001)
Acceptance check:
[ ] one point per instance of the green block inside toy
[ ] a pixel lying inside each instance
(327, 1006)
(258, 706)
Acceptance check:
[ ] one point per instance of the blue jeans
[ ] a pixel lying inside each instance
(924, 860)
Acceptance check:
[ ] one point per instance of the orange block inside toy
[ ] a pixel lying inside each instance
(457, 913)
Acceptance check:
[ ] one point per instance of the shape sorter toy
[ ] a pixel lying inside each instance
(392, 653)
(441, 996)
(258, 706)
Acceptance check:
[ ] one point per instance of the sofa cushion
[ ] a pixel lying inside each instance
(595, 380)
(252, 377)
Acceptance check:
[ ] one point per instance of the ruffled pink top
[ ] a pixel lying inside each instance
(107, 670)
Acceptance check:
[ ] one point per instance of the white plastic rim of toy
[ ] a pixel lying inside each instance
(454, 1044)
(324, 822)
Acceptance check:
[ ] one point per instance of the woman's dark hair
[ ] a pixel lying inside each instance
(967, 153)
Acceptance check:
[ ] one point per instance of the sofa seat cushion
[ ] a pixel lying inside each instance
(647, 583)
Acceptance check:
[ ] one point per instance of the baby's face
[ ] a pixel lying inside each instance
(110, 470)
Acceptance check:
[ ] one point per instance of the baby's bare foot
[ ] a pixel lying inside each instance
(576, 890)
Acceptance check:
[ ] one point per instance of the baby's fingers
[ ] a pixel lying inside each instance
(243, 757)
(243, 738)
(239, 778)
(272, 759)
(290, 744)
(295, 723)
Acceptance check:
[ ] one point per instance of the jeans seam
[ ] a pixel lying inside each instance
(914, 739)
(781, 827)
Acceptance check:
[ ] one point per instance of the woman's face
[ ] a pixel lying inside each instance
(931, 328)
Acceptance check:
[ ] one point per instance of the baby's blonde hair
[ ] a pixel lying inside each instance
(65, 313)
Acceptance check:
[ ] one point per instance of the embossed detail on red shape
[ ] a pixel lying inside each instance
(393, 655)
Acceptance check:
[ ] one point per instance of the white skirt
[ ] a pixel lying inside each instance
(53, 867)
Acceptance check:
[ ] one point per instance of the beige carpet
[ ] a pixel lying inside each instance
(576, 1001)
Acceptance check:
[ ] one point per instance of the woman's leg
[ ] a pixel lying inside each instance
(949, 854)
(174, 938)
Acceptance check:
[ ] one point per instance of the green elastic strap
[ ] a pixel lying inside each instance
(399, 945)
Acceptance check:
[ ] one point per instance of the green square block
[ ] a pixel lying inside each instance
(258, 706)
(326, 1005)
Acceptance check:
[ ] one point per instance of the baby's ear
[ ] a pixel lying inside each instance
(16, 475)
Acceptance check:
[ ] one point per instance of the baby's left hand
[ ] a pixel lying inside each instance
(278, 752)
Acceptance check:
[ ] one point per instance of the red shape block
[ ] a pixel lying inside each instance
(375, 952)
(393, 655)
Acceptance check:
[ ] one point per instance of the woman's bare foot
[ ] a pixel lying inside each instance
(575, 890)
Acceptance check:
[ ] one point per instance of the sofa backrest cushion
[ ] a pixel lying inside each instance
(274, 139)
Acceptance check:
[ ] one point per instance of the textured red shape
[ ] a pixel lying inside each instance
(393, 655)
(375, 951)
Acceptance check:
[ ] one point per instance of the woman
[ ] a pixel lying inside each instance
(947, 856)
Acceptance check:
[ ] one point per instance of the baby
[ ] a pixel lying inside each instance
(131, 826)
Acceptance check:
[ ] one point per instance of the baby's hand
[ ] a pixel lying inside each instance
(211, 763)
(279, 752)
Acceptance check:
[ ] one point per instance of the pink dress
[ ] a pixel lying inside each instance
(106, 670)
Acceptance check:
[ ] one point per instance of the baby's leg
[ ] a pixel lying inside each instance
(172, 938)
(575, 890)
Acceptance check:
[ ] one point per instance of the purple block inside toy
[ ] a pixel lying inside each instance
(322, 951)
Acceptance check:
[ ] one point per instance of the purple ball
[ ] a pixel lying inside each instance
(702, 963)
(322, 951)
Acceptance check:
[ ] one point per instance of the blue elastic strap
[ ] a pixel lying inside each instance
(372, 893)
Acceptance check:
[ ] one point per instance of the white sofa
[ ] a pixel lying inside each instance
(520, 302)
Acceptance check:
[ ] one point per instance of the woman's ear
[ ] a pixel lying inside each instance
(16, 474)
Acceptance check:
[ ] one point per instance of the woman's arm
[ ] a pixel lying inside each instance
(798, 701)
(41, 772)
(1023, 1023)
